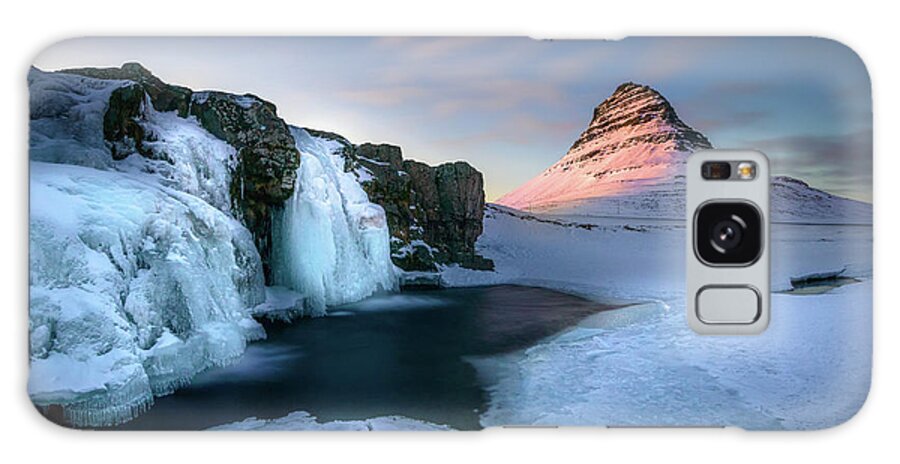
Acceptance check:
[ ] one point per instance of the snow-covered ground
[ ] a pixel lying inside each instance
(643, 365)
(793, 201)
(301, 420)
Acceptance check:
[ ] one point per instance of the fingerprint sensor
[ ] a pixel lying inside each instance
(721, 304)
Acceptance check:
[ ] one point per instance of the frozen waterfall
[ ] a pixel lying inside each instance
(139, 276)
(330, 243)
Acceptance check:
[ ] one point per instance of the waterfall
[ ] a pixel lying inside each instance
(330, 243)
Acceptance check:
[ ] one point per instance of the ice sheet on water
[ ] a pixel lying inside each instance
(302, 420)
(330, 243)
(281, 304)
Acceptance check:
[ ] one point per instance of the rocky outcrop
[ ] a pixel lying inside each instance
(165, 97)
(434, 213)
(267, 158)
(389, 186)
(449, 200)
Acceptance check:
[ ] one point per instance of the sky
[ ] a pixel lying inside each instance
(512, 106)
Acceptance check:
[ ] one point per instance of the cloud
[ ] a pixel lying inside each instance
(496, 95)
(422, 48)
(736, 104)
(384, 96)
(728, 120)
(520, 130)
(841, 162)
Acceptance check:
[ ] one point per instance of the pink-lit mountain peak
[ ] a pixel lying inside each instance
(635, 139)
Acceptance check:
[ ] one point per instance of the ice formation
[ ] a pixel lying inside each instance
(135, 288)
(139, 276)
(330, 243)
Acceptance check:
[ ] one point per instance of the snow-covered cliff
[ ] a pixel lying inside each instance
(143, 271)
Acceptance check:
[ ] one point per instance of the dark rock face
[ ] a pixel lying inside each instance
(451, 199)
(390, 187)
(121, 123)
(267, 157)
(633, 105)
(434, 213)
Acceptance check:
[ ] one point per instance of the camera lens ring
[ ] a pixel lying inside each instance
(743, 243)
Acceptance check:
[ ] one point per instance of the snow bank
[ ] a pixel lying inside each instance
(330, 243)
(301, 420)
(66, 123)
(809, 370)
(793, 201)
(625, 258)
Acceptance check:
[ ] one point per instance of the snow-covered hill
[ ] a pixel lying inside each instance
(630, 162)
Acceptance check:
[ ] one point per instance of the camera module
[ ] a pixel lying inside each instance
(728, 233)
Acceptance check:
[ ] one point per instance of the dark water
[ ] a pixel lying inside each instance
(393, 355)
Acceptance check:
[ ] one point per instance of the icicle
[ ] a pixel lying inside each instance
(113, 407)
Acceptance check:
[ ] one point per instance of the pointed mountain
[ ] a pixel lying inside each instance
(635, 138)
(630, 162)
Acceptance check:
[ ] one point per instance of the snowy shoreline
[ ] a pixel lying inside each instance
(622, 367)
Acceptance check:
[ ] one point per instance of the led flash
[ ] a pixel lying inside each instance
(746, 170)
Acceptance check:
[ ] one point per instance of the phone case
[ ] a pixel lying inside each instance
(324, 233)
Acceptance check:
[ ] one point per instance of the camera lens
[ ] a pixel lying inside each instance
(728, 233)
(716, 170)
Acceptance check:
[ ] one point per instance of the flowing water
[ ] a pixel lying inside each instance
(399, 354)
